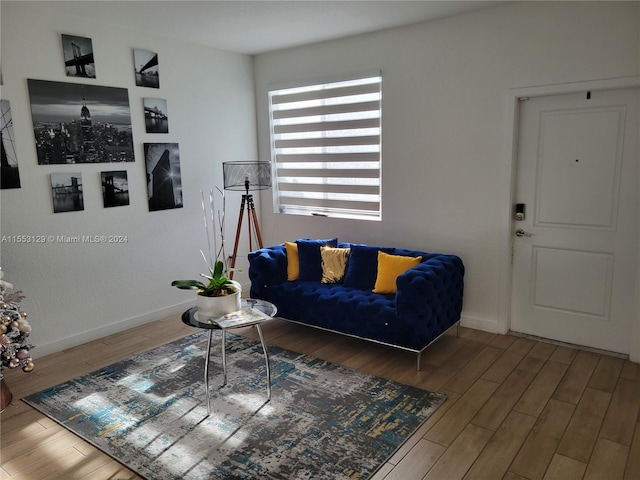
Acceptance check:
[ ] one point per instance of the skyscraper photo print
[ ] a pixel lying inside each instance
(77, 123)
(164, 181)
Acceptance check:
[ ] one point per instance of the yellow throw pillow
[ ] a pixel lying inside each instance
(334, 263)
(389, 268)
(293, 262)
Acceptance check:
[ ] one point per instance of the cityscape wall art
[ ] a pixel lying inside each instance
(156, 118)
(146, 68)
(78, 56)
(115, 188)
(77, 123)
(164, 180)
(67, 192)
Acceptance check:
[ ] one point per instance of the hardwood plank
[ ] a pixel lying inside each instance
(565, 468)
(564, 355)
(605, 376)
(537, 357)
(455, 462)
(19, 421)
(120, 351)
(382, 472)
(581, 434)
(632, 470)
(608, 461)
(498, 454)
(541, 388)
(443, 349)
(440, 375)
(47, 436)
(501, 369)
(513, 476)
(82, 466)
(631, 371)
(503, 342)
(111, 471)
(576, 378)
(540, 446)
(620, 421)
(459, 415)
(478, 335)
(419, 460)
(496, 409)
(463, 379)
(39, 466)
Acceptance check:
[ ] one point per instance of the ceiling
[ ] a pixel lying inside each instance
(253, 27)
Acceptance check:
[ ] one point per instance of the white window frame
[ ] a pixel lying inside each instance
(326, 147)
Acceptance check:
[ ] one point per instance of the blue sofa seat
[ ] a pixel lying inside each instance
(428, 300)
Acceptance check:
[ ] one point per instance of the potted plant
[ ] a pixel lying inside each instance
(219, 295)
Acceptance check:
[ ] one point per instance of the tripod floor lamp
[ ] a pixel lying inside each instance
(246, 176)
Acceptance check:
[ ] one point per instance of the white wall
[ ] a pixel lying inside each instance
(447, 121)
(76, 292)
(446, 179)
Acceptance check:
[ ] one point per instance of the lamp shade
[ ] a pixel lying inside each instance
(247, 175)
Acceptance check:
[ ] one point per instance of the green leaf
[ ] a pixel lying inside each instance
(188, 284)
(218, 269)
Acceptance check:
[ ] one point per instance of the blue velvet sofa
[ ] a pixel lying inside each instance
(427, 303)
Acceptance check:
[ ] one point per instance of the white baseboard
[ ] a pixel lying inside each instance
(72, 341)
(485, 324)
(490, 325)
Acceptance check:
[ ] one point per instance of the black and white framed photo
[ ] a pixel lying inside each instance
(66, 189)
(10, 175)
(156, 118)
(147, 71)
(115, 188)
(164, 181)
(78, 56)
(79, 123)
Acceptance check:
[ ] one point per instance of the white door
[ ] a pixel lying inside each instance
(577, 175)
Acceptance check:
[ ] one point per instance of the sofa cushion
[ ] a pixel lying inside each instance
(362, 269)
(310, 258)
(389, 268)
(334, 263)
(293, 263)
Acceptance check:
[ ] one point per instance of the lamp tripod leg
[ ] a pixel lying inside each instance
(256, 226)
(237, 242)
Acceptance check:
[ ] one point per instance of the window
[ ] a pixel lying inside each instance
(326, 148)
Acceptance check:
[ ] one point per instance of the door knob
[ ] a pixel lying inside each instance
(521, 233)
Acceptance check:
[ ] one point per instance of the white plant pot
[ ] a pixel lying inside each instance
(212, 307)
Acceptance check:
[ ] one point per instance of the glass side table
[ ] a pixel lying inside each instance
(191, 318)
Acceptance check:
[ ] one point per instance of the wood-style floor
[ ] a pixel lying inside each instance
(516, 408)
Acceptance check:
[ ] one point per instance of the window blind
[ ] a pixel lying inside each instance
(326, 148)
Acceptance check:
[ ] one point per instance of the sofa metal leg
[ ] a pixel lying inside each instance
(458, 329)
(419, 358)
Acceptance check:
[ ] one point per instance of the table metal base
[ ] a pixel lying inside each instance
(224, 364)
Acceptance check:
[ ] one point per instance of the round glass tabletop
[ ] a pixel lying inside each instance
(191, 318)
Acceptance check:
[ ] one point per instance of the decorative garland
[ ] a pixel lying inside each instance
(14, 330)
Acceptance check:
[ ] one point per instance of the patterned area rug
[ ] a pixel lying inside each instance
(324, 421)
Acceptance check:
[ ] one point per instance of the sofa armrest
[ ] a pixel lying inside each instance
(429, 296)
(267, 266)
